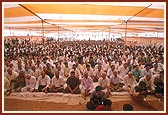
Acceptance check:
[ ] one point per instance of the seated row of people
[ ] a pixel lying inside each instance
(26, 82)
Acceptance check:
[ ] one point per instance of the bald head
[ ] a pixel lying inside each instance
(103, 75)
(130, 74)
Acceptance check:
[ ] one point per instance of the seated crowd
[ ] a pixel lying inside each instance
(74, 66)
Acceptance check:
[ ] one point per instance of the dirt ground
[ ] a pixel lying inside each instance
(26, 105)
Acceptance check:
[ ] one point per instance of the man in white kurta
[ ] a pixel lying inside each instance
(115, 82)
(57, 83)
(104, 82)
(11, 74)
(30, 83)
(86, 84)
(129, 82)
(43, 83)
(123, 70)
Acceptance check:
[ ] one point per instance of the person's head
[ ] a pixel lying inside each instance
(33, 68)
(98, 89)
(127, 107)
(130, 74)
(21, 73)
(99, 67)
(148, 77)
(88, 67)
(125, 65)
(103, 75)
(59, 67)
(85, 74)
(107, 104)
(155, 65)
(57, 73)
(120, 62)
(162, 73)
(10, 65)
(72, 73)
(156, 60)
(27, 76)
(9, 70)
(20, 66)
(26, 67)
(112, 67)
(38, 62)
(66, 64)
(43, 74)
(137, 67)
(147, 66)
(74, 66)
(48, 65)
(115, 73)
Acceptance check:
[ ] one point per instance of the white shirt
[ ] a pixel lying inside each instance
(57, 82)
(43, 81)
(129, 81)
(10, 77)
(115, 80)
(98, 73)
(109, 72)
(157, 71)
(144, 72)
(30, 82)
(70, 63)
(36, 73)
(87, 83)
(123, 71)
(149, 84)
(104, 82)
(90, 72)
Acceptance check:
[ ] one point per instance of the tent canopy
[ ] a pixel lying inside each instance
(85, 17)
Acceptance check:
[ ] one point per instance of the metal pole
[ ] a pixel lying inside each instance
(58, 32)
(109, 33)
(42, 31)
(125, 40)
(10, 31)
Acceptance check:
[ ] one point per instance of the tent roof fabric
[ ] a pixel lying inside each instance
(89, 16)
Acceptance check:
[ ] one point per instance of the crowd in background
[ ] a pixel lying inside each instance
(79, 64)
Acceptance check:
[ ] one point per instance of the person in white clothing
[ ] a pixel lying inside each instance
(104, 82)
(149, 82)
(86, 84)
(11, 74)
(97, 73)
(146, 71)
(110, 71)
(155, 70)
(115, 82)
(57, 83)
(43, 83)
(123, 70)
(30, 83)
(129, 82)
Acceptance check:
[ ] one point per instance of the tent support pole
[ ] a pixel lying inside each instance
(42, 31)
(125, 39)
